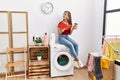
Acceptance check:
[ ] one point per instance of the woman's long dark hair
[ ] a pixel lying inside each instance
(70, 18)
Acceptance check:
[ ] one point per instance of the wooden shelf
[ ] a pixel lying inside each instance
(37, 68)
(42, 62)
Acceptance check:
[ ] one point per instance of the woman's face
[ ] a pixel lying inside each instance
(65, 16)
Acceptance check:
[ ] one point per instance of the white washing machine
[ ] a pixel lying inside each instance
(61, 62)
(117, 69)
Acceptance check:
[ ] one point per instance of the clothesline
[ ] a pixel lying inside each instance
(112, 36)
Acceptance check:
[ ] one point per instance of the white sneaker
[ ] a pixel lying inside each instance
(76, 64)
(80, 64)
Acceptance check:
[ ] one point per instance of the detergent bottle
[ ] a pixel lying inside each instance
(52, 38)
(45, 39)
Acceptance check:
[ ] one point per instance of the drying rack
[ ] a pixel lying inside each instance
(115, 37)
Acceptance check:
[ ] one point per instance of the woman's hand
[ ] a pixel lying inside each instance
(60, 31)
(63, 30)
(75, 26)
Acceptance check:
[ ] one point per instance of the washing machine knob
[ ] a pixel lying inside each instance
(56, 47)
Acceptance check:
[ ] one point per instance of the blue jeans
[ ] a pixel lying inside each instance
(67, 41)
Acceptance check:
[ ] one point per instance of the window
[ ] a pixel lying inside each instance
(111, 24)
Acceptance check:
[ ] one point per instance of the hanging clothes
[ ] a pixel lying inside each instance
(110, 46)
(97, 71)
(91, 63)
(109, 52)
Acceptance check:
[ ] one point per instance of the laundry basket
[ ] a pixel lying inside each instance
(108, 74)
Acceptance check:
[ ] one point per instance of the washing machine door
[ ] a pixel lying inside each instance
(63, 61)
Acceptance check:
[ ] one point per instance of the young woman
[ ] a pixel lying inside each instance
(65, 28)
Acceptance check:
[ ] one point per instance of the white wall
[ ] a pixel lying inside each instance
(82, 12)
(98, 24)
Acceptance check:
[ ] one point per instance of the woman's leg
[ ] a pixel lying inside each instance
(76, 49)
(74, 44)
(63, 40)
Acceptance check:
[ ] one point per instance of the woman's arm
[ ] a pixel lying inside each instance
(60, 31)
(71, 30)
(74, 28)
